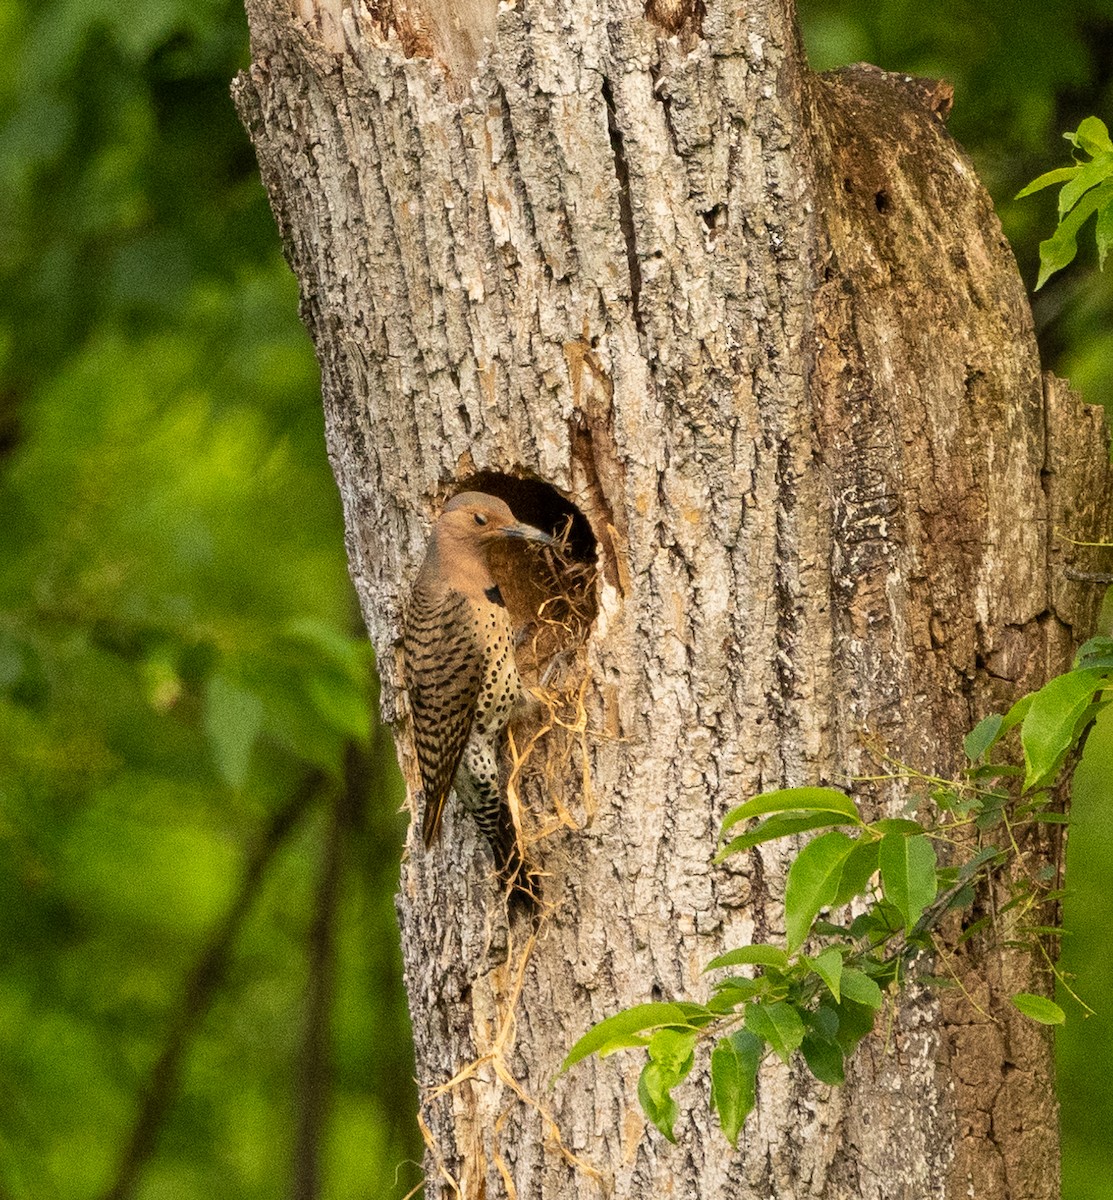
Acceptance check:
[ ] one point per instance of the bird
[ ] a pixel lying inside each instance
(461, 676)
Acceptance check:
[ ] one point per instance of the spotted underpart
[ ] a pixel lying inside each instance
(477, 777)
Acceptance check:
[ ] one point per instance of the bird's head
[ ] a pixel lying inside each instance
(476, 519)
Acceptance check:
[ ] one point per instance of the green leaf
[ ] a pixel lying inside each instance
(653, 1095)
(908, 874)
(1048, 179)
(612, 1032)
(982, 736)
(730, 995)
(855, 1021)
(778, 826)
(857, 870)
(233, 719)
(896, 825)
(779, 1024)
(1093, 173)
(1059, 250)
(734, 1065)
(828, 966)
(872, 923)
(1098, 651)
(824, 1057)
(630, 1041)
(670, 1059)
(860, 988)
(806, 799)
(752, 987)
(672, 1051)
(823, 1021)
(1050, 727)
(990, 815)
(1017, 713)
(1039, 1008)
(812, 881)
(760, 954)
(1091, 136)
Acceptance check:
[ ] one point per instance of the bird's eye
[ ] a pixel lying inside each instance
(480, 519)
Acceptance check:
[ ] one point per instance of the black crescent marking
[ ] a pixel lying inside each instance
(494, 595)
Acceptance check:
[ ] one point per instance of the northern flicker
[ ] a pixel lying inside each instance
(461, 675)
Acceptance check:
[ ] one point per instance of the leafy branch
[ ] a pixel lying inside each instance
(1087, 189)
(819, 994)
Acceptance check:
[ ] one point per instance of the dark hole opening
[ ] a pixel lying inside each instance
(881, 199)
(539, 504)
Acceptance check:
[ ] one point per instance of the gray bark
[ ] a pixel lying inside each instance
(764, 330)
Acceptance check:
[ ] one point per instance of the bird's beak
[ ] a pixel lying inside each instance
(528, 532)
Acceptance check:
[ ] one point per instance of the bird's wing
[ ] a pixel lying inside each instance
(444, 670)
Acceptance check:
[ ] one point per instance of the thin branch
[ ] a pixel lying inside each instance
(200, 990)
(314, 1067)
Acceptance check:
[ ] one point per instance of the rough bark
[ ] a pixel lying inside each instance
(763, 329)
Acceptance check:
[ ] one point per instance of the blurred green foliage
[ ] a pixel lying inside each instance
(187, 709)
(1086, 1045)
(181, 663)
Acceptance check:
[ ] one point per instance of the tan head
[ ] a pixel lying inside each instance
(456, 558)
(473, 519)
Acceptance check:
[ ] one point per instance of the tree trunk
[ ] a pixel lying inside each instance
(764, 332)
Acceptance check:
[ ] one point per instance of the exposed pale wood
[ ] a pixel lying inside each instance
(765, 331)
